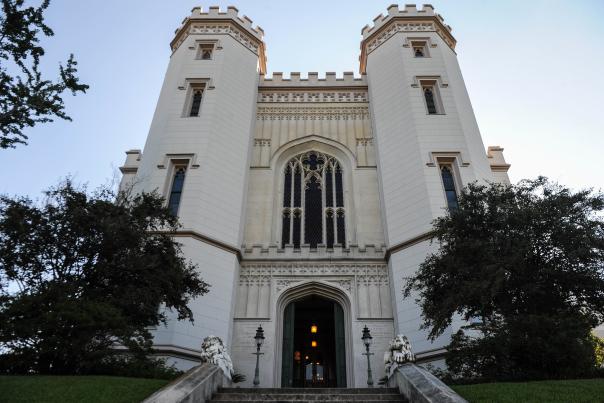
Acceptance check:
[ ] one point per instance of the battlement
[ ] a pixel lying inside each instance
(410, 11)
(232, 13)
(216, 22)
(321, 252)
(312, 80)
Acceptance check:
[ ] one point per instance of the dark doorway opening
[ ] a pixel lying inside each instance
(313, 344)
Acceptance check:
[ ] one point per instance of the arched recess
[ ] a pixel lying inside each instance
(299, 291)
(323, 145)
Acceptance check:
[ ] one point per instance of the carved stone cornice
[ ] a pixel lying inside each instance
(314, 95)
(310, 113)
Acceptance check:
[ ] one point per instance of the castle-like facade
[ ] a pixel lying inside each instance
(306, 201)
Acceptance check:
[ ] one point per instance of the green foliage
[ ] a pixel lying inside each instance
(92, 271)
(524, 266)
(566, 391)
(129, 365)
(25, 97)
(76, 389)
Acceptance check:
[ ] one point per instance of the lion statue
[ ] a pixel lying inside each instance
(398, 353)
(214, 351)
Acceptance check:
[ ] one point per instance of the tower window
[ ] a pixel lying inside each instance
(420, 48)
(205, 51)
(446, 173)
(196, 96)
(430, 100)
(176, 190)
(313, 184)
(432, 97)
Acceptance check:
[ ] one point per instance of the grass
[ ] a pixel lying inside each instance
(567, 391)
(67, 389)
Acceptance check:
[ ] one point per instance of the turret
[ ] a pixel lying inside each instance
(428, 142)
(196, 155)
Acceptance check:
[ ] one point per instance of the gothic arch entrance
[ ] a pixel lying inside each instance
(314, 351)
(313, 337)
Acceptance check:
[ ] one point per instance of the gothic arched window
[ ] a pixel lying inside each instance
(313, 201)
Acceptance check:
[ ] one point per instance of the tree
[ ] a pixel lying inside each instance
(90, 271)
(523, 265)
(26, 98)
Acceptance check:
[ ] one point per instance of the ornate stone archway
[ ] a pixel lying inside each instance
(299, 291)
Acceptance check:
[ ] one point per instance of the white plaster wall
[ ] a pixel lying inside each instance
(406, 135)
(212, 311)
(214, 192)
(407, 313)
(213, 195)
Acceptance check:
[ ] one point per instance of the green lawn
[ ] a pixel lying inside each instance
(572, 391)
(68, 389)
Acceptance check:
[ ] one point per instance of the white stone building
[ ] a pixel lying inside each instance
(306, 201)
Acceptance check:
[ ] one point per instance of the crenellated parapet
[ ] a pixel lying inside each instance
(312, 80)
(409, 19)
(214, 21)
(321, 252)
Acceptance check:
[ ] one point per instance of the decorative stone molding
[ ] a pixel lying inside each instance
(262, 142)
(294, 269)
(364, 142)
(316, 96)
(312, 113)
(191, 157)
(434, 157)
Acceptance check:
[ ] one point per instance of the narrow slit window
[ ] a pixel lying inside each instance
(449, 186)
(176, 190)
(430, 100)
(196, 102)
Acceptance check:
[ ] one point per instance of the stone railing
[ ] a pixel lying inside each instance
(196, 385)
(418, 385)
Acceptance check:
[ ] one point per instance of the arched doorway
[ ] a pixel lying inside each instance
(314, 345)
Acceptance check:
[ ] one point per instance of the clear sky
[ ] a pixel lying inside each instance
(533, 70)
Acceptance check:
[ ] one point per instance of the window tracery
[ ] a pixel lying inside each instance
(313, 201)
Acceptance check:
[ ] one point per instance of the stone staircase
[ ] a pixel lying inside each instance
(297, 395)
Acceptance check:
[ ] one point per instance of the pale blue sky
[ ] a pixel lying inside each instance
(533, 70)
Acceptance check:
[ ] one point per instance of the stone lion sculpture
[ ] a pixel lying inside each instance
(398, 353)
(214, 351)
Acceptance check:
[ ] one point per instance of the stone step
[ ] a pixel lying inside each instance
(349, 391)
(307, 397)
(338, 400)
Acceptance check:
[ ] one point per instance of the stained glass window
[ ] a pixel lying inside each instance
(313, 213)
(307, 213)
(286, 223)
